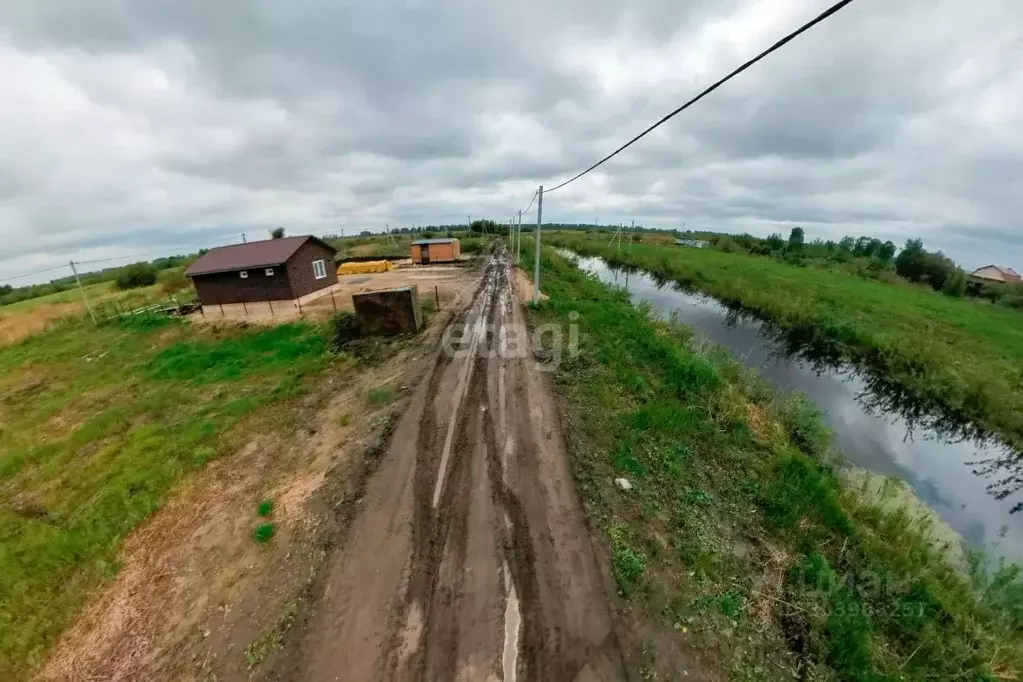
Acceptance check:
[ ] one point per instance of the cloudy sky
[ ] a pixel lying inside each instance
(133, 126)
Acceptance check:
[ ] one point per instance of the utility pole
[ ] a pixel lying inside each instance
(631, 231)
(85, 299)
(617, 235)
(536, 244)
(518, 249)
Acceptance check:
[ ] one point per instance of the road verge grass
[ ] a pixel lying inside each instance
(737, 532)
(962, 359)
(98, 426)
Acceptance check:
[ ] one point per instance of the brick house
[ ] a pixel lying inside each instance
(271, 270)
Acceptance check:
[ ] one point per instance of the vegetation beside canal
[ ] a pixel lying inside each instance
(736, 532)
(960, 358)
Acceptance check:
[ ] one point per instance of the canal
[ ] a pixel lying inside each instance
(958, 476)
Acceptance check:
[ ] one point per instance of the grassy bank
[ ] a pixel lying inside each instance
(737, 534)
(98, 425)
(962, 358)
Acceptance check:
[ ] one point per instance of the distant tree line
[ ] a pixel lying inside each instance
(869, 257)
(124, 277)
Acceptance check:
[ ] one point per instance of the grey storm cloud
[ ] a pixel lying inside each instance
(135, 127)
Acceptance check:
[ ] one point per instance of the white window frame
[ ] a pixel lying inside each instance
(319, 269)
(244, 274)
(269, 272)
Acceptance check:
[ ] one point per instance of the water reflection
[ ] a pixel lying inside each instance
(877, 424)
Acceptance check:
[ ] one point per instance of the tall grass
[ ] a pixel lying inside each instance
(739, 531)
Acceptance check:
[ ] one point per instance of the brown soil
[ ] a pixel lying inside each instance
(197, 598)
(469, 558)
(524, 287)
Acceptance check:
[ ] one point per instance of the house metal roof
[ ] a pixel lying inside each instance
(251, 255)
(1008, 273)
(442, 240)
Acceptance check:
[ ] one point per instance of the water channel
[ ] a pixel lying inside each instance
(957, 475)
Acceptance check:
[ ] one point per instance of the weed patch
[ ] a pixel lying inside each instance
(381, 395)
(264, 533)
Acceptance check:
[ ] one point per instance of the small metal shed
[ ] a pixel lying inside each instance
(445, 250)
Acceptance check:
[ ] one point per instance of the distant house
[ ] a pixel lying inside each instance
(435, 250)
(271, 270)
(694, 243)
(996, 273)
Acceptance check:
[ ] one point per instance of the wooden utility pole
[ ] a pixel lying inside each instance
(85, 299)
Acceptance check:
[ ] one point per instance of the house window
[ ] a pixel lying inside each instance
(244, 274)
(269, 272)
(319, 269)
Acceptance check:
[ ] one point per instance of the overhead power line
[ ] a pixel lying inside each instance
(151, 253)
(777, 46)
(526, 209)
(35, 272)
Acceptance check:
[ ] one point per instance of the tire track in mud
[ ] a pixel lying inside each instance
(440, 533)
(478, 563)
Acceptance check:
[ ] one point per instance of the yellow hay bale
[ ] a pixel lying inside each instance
(365, 268)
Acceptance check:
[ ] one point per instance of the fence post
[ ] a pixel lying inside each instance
(270, 303)
(222, 310)
(245, 308)
(333, 301)
(436, 294)
(298, 302)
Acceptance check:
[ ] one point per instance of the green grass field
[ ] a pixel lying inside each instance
(962, 357)
(737, 532)
(97, 426)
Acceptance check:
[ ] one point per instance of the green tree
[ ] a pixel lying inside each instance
(912, 260)
(775, 242)
(277, 233)
(136, 275)
(796, 239)
(847, 243)
(955, 284)
(886, 252)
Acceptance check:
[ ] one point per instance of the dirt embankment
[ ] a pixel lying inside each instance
(469, 559)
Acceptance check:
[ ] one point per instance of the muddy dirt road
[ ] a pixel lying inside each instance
(469, 559)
